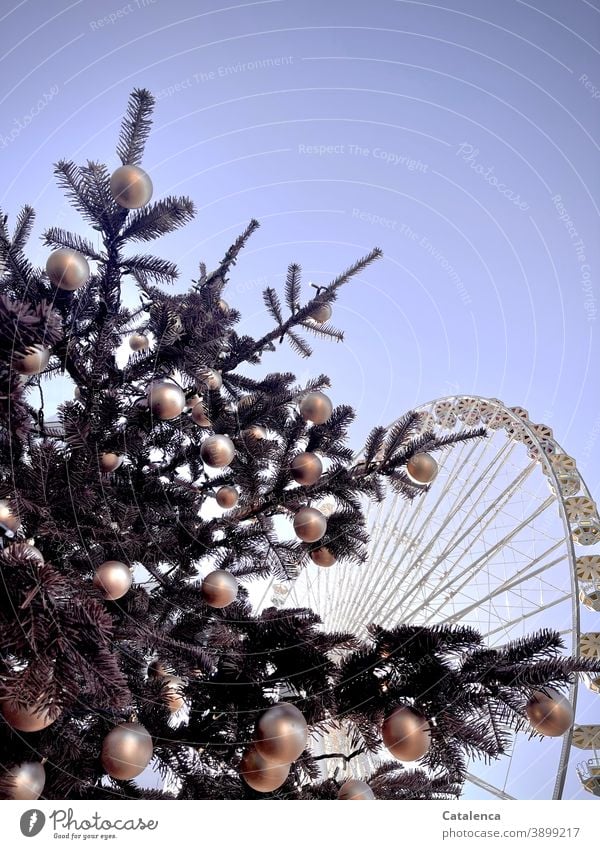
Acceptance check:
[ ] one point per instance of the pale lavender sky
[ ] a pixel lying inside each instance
(461, 137)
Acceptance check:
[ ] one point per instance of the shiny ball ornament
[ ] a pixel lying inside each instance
(32, 361)
(406, 734)
(219, 588)
(166, 400)
(316, 407)
(321, 313)
(139, 342)
(255, 432)
(26, 781)
(549, 712)
(157, 669)
(126, 751)
(309, 524)
(223, 306)
(8, 518)
(199, 415)
(172, 692)
(217, 451)
(281, 734)
(131, 187)
(67, 269)
(29, 719)
(322, 557)
(355, 789)
(422, 469)
(191, 402)
(227, 497)
(113, 579)
(260, 774)
(212, 378)
(109, 461)
(306, 468)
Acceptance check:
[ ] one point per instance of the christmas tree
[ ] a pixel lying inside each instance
(132, 526)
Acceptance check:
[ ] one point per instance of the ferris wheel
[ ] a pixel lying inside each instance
(497, 543)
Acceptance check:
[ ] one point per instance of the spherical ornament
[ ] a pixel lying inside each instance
(281, 734)
(24, 550)
(126, 751)
(139, 342)
(26, 781)
(255, 432)
(316, 407)
(131, 187)
(549, 712)
(113, 579)
(32, 361)
(310, 524)
(422, 469)
(227, 497)
(219, 588)
(191, 402)
(157, 669)
(172, 692)
(321, 313)
(306, 468)
(199, 415)
(261, 775)
(217, 451)
(165, 399)
(31, 718)
(212, 378)
(109, 461)
(406, 734)
(355, 789)
(67, 269)
(223, 306)
(322, 557)
(8, 518)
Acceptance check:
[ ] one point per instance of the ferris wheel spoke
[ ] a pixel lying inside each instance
(506, 626)
(489, 788)
(525, 574)
(474, 568)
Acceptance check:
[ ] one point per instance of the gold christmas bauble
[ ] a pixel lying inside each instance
(316, 407)
(126, 751)
(199, 415)
(227, 497)
(549, 712)
(131, 187)
(109, 461)
(281, 734)
(31, 718)
(406, 734)
(255, 432)
(422, 469)
(165, 399)
(322, 557)
(306, 468)
(32, 361)
(8, 518)
(212, 378)
(261, 775)
(25, 550)
(26, 781)
(219, 588)
(113, 579)
(217, 451)
(321, 313)
(157, 669)
(310, 524)
(67, 269)
(223, 306)
(139, 342)
(355, 789)
(173, 692)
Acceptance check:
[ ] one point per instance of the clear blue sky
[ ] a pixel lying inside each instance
(461, 137)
